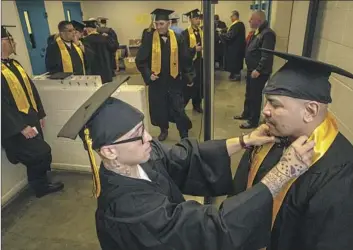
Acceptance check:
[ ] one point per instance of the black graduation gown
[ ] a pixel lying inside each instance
(317, 212)
(196, 91)
(17, 147)
(219, 46)
(99, 55)
(235, 43)
(53, 60)
(137, 214)
(113, 36)
(166, 89)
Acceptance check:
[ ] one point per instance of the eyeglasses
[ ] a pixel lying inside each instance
(137, 138)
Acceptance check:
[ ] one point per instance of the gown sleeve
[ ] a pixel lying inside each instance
(12, 121)
(187, 67)
(200, 169)
(143, 57)
(53, 61)
(243, 222)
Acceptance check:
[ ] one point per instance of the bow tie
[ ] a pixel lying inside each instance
(284, 142)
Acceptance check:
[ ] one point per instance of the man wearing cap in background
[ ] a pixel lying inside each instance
(165, 65)
(234, 41)
(314, 211)
(22, 120)
(140, 182)
(66, 53)
(101, 49)
(259, 68)
(220, 27)
(193, 37)
(103, 29)
(174, 24)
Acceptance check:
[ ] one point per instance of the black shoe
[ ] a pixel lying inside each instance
(235, 78)
(248, 125)
(183, 134)
(198, 109)
(49, 188)
(240, 117)
(163, 135)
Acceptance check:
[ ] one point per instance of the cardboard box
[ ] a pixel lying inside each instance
(130, 66)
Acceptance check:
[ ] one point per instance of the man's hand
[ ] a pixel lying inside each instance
(29, 132)
(42, 123)
(255, 74)
(259, 136)
(198, 47)
(154, 77)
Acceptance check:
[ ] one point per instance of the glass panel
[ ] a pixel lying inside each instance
(28, 24)
(68, 15)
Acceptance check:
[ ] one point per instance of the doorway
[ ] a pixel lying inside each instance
(35, 28)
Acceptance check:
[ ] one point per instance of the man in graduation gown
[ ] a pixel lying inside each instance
(220, 27)
(166, 66)
(314, 211)
(22, 119)
(174, 25)
(234, 41)
(193, 37)
(259, 68)
(66, 53)
(140, 182)
(101, 47)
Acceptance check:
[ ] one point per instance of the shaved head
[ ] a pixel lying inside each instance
(257, 19)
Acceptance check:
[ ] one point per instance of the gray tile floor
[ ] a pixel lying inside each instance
(66, 220)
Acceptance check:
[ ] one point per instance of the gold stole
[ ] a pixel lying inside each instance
(66, 58)
(157, 54)
(16, 89)
(323, 135)
(236, 21)
(193, 41)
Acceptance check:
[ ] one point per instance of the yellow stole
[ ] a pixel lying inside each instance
(157, 54)
(16, 89)
(323, 135)
(236, 21)
(192, 38)
(66, 58)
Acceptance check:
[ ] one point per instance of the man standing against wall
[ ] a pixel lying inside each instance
(259, 68)
(234, 41)
(65, 53)
(193, 37)
(22, 120)
(165, 65)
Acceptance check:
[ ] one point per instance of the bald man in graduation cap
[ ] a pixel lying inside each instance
(22, 120)
(313, 212)
(166, 67)
(140, 182)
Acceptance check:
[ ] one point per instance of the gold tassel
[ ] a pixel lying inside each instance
(96, 180)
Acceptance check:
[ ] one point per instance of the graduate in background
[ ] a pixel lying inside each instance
(234, 41)
(140, 182)
(174, 25)
(193, 37)
(166, 65)
(22, 120)
(66, 53)
(102, 47)
(314, 211)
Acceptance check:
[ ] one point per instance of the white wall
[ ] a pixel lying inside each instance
(55, 11)
(9, 16)
(334, 44)
(129, 18)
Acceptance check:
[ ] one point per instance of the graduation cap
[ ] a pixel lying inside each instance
(100, 121)
(78, 25)
(193, 13)
(302, 78)
(161, 14)
(92, 23)
(4, 32)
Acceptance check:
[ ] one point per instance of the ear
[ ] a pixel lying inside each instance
(109, 152)
(311, 111)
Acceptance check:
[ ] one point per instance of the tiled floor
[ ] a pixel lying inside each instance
(66, 220)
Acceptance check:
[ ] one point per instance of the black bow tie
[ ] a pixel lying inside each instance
(284, 142)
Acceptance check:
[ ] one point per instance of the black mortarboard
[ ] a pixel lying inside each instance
(107, 118)
(91, 23)
(161, 14)
(302, 78)
(78, 25)
(193, 13)
(4, 32)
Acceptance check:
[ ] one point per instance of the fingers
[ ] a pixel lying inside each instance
(302, 145)
(307, 157)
